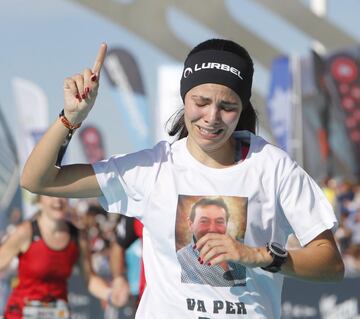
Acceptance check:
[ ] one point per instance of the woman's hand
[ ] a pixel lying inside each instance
(80, 90)
(217, 248)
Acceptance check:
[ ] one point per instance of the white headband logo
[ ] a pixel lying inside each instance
(212, 65)
(187, 72)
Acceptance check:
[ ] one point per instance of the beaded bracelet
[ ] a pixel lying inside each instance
(67, 123)
(68, 137)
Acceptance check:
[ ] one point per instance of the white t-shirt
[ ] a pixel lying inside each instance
(268, 195)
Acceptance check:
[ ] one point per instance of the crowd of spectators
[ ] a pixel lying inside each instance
(345, 198)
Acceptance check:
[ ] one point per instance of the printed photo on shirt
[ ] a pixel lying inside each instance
(198, 215)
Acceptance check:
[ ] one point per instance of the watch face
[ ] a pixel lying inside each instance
(277, 249)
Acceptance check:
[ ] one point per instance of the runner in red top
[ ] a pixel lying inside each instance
(47, 248)
(43, 272)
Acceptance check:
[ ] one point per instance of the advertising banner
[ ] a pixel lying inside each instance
(314, 300)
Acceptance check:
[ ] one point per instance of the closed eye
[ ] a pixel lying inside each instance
(229, 108)
(200, 100)
(200, 104)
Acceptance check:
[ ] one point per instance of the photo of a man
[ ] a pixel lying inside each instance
(208, 215)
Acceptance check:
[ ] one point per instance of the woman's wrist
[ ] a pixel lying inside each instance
(69, 123)
(257, 257)
(265, 258)
(71, 129)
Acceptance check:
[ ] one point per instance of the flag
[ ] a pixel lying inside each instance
(338, 76)
(279, 102)
(124, 76)
(32, 115)
(9, 169)
(315, 119)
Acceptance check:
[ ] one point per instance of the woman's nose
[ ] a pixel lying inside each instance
(212, 114)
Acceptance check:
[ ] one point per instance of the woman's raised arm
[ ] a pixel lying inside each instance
(40, 174)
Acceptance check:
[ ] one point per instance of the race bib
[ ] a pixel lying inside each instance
(40, 310)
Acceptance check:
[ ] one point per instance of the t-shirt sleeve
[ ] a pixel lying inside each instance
(303, 203)
(127, 180)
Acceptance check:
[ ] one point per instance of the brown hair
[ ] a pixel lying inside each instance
(248, 117)
(208, 202)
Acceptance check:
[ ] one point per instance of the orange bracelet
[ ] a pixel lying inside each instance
(68, 137)
(67, 123)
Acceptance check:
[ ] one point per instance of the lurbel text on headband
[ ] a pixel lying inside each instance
(220, 67)
(212, 65)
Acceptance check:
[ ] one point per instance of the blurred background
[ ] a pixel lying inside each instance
(306, 92)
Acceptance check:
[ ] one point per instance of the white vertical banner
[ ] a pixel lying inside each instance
(32, 114)
(33, 120)
(169, 98)
(9, 170)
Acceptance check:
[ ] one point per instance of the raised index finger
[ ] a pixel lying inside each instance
(99, 61)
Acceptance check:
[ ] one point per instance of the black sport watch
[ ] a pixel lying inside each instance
(279, 255)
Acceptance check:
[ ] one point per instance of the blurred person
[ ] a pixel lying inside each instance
(343, 234)
(353, 205)
(352, 261)
(348, 235)
(328, 186)
(8, 277)
(126, 265)
(128, 231)
(92, 219)
(344, 195)
(216, 122)
(352, 223)
(47, 247)
(357, 194)
(95, 221)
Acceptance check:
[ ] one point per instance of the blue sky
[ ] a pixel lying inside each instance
(45, 41)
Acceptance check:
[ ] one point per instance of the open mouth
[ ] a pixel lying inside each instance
(210, 133)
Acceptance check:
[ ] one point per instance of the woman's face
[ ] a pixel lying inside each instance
(53, 207)
(211, 114)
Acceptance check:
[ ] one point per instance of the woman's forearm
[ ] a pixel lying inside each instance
(320, 260)
(39, 171)
(314, 263)
(40, 174)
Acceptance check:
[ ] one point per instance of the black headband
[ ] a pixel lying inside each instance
(220, 67)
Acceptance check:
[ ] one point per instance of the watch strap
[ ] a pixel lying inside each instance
(277, 262)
